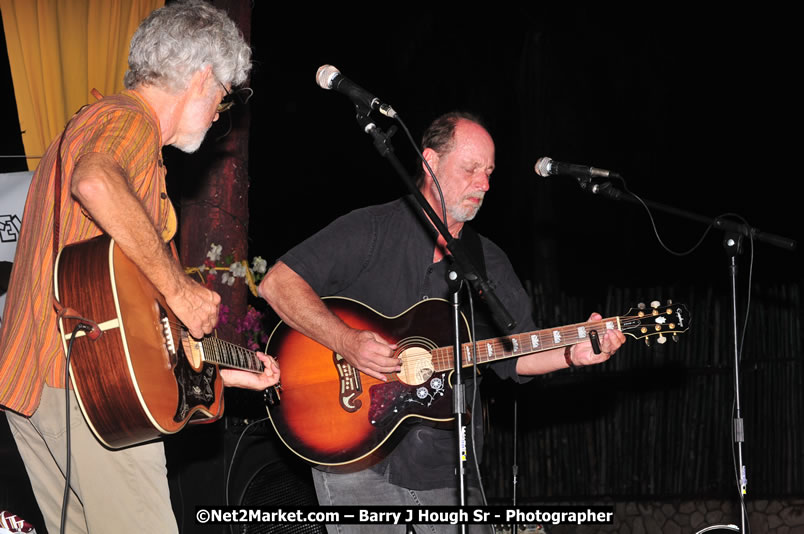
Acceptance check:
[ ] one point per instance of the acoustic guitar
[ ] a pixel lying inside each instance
(338, 418)
(143, 376)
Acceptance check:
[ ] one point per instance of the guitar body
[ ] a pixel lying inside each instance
(133, 383)
(332, 415)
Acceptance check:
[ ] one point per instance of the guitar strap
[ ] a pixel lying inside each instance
(474, 248)
(57, 187)
(484, 326)
(62, 311)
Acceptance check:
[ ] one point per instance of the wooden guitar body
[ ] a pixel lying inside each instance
(134, 383)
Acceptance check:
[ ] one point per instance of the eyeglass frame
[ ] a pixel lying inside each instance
(229, 99)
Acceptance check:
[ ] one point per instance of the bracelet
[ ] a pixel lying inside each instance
(568, 355)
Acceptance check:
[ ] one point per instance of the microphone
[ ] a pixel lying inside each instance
(329, 77)
(547, 167)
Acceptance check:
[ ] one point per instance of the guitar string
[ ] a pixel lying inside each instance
(442, 357)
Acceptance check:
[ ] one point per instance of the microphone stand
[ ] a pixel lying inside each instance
(734, 233)
(462, 269)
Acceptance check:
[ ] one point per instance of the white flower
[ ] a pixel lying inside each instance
(227, 279)
(238, 270)
(214, 253)
(259, 265)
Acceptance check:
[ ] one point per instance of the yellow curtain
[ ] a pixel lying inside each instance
(59, 50)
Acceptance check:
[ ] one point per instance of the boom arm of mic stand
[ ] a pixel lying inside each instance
(608, 190)
(463, 264)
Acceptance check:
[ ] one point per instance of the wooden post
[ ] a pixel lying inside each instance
(214, 201)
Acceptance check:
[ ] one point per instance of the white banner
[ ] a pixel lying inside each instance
(13, 190)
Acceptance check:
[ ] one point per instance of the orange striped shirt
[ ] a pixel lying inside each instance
(125, 127)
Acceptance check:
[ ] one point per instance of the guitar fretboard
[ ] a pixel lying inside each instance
(230, 355)
(500, 348)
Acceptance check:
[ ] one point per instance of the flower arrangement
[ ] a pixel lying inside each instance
(230, 270)
(251, 327)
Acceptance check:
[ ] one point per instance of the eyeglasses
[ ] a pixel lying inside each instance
(240, 96)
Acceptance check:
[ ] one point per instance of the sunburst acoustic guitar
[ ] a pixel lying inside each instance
(338, 418)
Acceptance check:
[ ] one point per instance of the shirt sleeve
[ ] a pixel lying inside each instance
(126, 135)
(333, 258)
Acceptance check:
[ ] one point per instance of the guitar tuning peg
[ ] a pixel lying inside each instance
(641, 305)
(647, 341)
(675, 338)
(655, 304)
(669, 302)
(662, 340)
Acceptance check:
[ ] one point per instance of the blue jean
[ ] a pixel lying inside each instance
(369, 488)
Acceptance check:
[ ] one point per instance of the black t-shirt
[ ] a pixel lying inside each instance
(382, 256)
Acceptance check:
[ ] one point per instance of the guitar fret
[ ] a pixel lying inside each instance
(526, 343)
(228, 354)
(519, 344)
(581, 332)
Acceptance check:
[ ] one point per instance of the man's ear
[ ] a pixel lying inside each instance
(432, 158)
(200, 79)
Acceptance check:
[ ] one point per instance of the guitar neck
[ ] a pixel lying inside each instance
(500, 348)
(227, 354)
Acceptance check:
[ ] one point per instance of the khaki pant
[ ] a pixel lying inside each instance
(111, 491)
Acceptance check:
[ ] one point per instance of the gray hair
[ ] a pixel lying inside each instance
(177, 40)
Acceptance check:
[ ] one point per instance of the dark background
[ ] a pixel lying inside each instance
(698, 109)
(691, 108)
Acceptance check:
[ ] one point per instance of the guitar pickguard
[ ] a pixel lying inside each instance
(393, 400)
(195, 388)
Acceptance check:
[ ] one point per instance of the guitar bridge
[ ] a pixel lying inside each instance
(167, 335)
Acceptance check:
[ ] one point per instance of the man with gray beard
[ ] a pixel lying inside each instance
(183, 60)
(388, 258)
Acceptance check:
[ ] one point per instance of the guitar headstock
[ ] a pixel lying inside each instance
(657, 321)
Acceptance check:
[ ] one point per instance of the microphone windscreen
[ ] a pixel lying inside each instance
(324, 76)
(542, 167)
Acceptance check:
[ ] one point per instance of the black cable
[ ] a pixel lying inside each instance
(475, 392)
(656, 231)
(733, 431)
(83, 327)
(432, 174)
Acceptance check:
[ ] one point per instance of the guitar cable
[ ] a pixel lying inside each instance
(85, 328)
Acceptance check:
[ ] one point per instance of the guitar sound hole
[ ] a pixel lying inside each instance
(417, 366)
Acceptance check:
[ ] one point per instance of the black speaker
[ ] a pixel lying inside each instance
(234, 462)
(282, 484)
